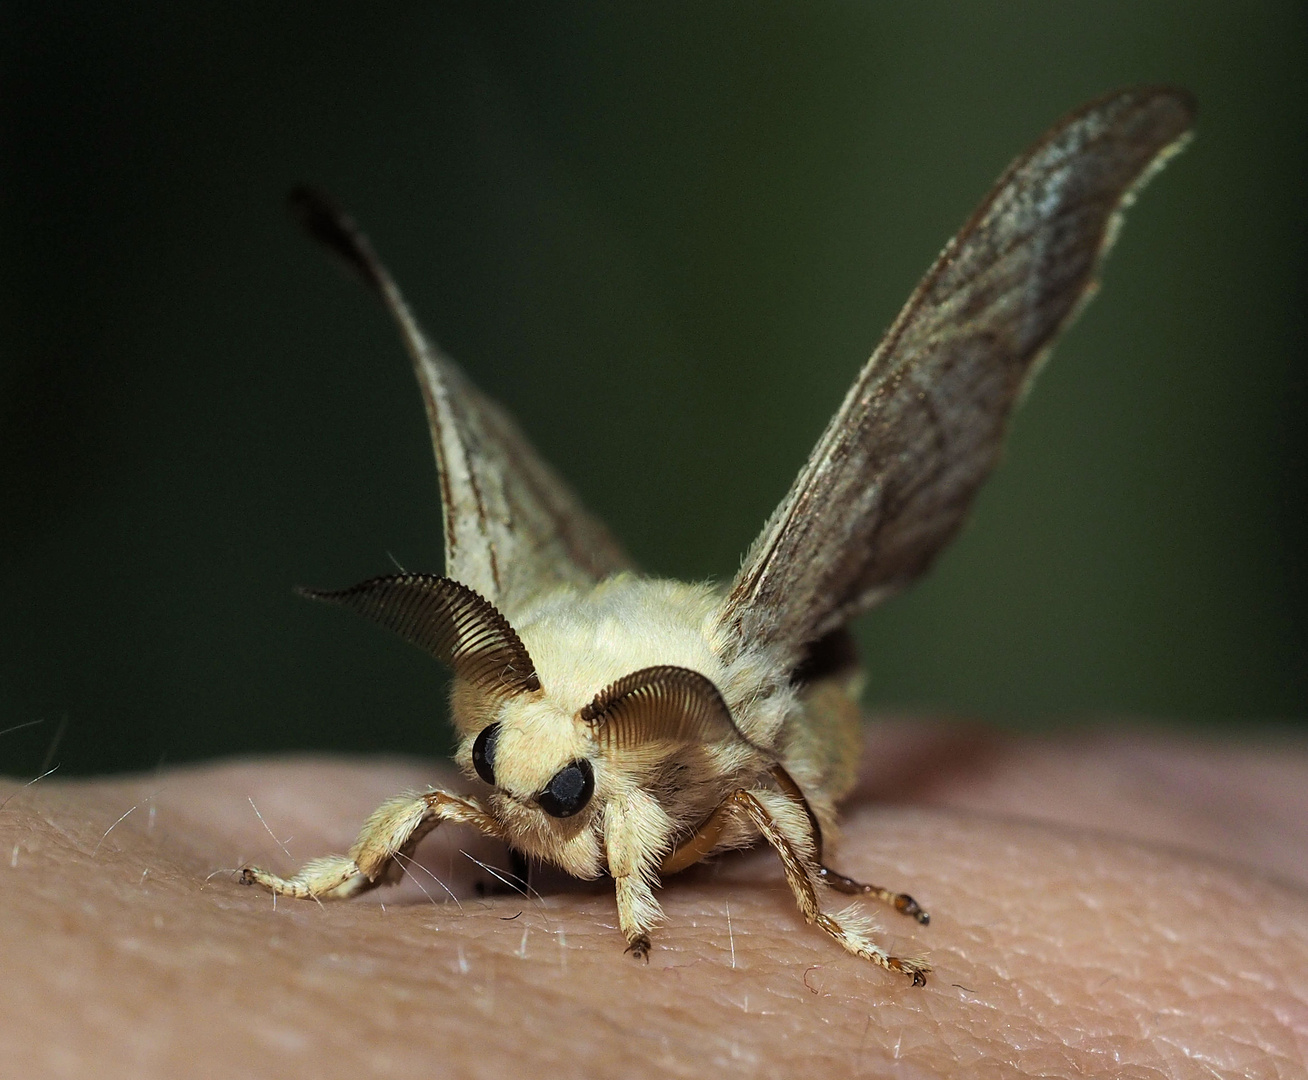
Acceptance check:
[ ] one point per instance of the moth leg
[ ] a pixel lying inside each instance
(388, 836)
(702, 842)
(901, 902)
(638, 913)
(634, 826)
(800, 879)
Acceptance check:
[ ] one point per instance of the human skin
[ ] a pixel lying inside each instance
(1105, 905)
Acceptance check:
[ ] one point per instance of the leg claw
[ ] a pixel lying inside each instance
(906, 905)
(639, 948)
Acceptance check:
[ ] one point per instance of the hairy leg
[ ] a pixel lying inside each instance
(378, 856)
(901, 902)
(846, 930)
(631, 828)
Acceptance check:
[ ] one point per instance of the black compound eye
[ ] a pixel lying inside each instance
(569, 791)
(483, 753)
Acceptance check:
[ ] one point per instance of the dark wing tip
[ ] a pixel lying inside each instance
(1171, 112)
(1183, 98)
(326, 221)
(1156, 95)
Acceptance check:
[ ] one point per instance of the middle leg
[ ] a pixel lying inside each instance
(901, 902)
(802, 886)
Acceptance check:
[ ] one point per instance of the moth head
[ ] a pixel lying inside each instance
(538, 752)
(536, 756)
(552, 770)
(551, 766)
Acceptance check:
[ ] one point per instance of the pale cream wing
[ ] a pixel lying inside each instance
(893, 476)
(513, 529)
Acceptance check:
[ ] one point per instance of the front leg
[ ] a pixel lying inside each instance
(388, 836)
(636, 833)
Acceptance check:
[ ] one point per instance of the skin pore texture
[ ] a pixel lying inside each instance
(1102, 904)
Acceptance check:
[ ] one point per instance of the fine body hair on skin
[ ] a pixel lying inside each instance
(1108, 905)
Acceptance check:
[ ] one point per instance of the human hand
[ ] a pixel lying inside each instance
(1104, 905)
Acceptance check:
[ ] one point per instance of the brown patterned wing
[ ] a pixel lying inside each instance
(449, 621)
(513, 528)
(892, 478)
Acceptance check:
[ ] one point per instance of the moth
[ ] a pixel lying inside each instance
(633, 726)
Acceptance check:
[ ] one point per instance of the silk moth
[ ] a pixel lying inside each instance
(625, 725)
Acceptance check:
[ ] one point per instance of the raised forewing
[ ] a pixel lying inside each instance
(893, 476)
(513, 529)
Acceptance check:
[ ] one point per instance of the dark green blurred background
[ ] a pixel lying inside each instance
(667, 238)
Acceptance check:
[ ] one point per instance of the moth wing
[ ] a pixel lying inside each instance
(511, 522)
(893, 476)
(513, 528)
